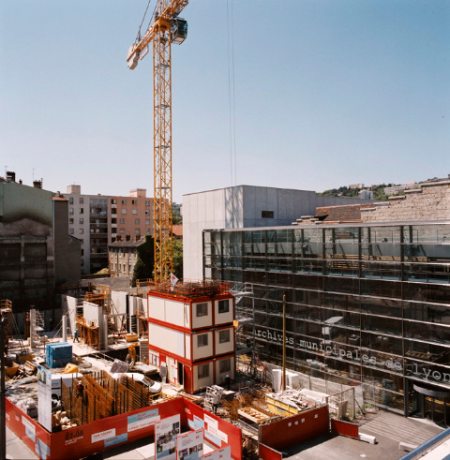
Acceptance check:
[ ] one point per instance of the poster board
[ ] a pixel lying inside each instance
(220, 454)
(190, 445)
(166, 432)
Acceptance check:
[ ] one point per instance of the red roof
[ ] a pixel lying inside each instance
(346, 212)
(177, 231)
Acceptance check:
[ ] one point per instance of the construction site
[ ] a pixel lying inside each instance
(191, 368)
(96, 375)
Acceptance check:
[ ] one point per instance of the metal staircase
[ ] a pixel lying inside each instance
(37, 326)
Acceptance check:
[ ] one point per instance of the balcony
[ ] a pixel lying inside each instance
(99, 205)
(102, 235)
(98, 214)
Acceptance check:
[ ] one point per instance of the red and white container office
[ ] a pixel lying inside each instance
(190, 329)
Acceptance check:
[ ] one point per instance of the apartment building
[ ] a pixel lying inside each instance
(98, 220)
(123, 256)
(131, 215)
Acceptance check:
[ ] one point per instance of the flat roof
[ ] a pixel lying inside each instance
(333, 225)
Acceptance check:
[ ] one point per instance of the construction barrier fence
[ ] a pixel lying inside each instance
(97, 436)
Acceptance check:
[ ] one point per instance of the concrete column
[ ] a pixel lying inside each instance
(64, 328)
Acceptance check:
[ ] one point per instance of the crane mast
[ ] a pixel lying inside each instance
(166, 28)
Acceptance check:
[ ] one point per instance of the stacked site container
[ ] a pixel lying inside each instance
(58, 354)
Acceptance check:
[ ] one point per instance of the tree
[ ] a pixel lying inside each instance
(178, 258)
(145, 263)
(176, 220)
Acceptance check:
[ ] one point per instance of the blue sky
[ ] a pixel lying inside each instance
(327, 93)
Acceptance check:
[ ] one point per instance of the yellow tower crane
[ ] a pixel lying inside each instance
(166, 28)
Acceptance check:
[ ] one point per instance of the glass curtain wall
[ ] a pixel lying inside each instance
(366, 305)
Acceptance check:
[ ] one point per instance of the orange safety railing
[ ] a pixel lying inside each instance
(192, 288)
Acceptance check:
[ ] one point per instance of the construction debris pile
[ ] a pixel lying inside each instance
(290, 402)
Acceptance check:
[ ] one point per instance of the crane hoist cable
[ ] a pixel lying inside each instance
(231, 92)
(138, 37)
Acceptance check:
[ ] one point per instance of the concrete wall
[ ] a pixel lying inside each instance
(242, 207)
(19, 202)
(67, 248)
(27, 272)
(69, 308)
(35, 247)
(93, 313)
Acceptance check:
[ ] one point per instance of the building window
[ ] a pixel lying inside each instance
(267, 214)
(148, 231)
(124, 211)
(71, 220)
(147, 203)
(124, 201)
(147, 213)
(70, 210)
(71, 200)
(81, 231)
(224, 306)
(134, 211)
(147, 221)
(81, 200)
(203, 371)
(202, 340)
(202, 309)
(137, 221)
(224, 366)
(113, 220)
(71, 231)
(121, 230)
(224, 336)
(137, 231)
(113, 201)
(81, 211)
(134, 202)
(81, 221)
(122, 221)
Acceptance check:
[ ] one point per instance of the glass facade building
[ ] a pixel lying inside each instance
(366, 304)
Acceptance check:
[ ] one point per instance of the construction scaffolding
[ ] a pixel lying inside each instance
(99, 395)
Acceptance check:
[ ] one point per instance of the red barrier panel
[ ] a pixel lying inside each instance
(345, 428)
(29, 431)
(218, 432)
(97, 436)
(295, 429)
(267, 453)
(104, 434)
